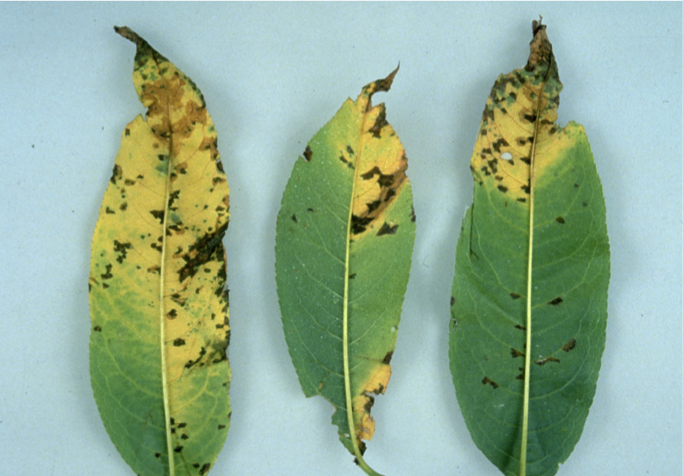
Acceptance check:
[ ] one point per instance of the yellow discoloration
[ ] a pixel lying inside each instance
(375, 384)
(162, 242)
(509, 125)
(380, 163)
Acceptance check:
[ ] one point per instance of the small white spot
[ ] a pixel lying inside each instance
(506, 156)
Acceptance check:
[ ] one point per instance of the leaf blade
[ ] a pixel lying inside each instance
(159, 312)
(347, 204)
(557, 340)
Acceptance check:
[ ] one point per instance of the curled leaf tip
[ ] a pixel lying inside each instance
(380, 85)
(129, 34)
(541, 49)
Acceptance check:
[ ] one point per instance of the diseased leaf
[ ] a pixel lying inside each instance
(529, 304)
(344, 243)
(159, 310)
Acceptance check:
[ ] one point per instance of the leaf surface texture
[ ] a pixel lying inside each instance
(344, 243)
(529, 304)
(159, 309)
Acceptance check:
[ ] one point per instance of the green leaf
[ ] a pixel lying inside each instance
(344, 243)
(529, 304)
(159, 311)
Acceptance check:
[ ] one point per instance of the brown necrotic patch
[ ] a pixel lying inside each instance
(545, 360)
(201, 251)
(569, 345)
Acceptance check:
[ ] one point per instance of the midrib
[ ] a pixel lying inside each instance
(345, 319)
(529, 283)
(162, 284)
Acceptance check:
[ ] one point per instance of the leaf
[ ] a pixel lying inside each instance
(529, 304)
(159, 311)
(344, 242)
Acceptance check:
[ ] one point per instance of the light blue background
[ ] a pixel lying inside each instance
(272, 75)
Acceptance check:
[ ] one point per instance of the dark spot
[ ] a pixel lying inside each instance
(343, 159)
(172, 314)
(359, 224)
(201, 251)
(576, 185)
(310, 210)
(124, 206)
(205, 469)
(526, 189)
(294, 218)
(487, 380)
(352, 275)
(221, 427)
(349, 149)
(412, 214)
(308, 153)
(499, 143)
(569, 345)
(97, 329)
(162, 157)
(391, 193)
(371, 173)
(530, 117)
(521, 375)
(452, 300)
(556, 301)
(117, 173)
(175, 297)
(516, 353)
(159, 215)
(515, 295)
(191, 363)
(521, 141)
(107, 274)
(387, 229)
(521, 200)
(173, 196)
(520, 327)
(502, 188)
(127, 132)
(584, 204)
(109, 211)
(121, 248)
(380, 122)
(156, 455)
(184, 436)
(546, 360)
(387, 358)
(372, 206)
(178, 342)
(560, 220)
(178, 449)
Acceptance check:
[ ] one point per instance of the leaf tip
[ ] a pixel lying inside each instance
(540, 46)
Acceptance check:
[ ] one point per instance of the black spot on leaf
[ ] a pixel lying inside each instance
(569, 345)
(387, 229)
(488, 381)
(560, 220)
(308, 153)
(556, 301)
